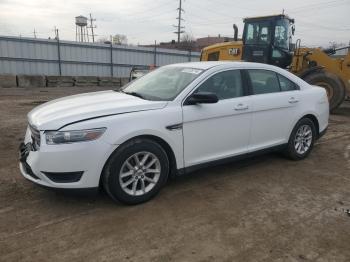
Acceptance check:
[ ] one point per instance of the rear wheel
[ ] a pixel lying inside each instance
(301, 140)
(136, 171)
(333, 85)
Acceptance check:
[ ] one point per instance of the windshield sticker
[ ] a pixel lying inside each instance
(191, 71)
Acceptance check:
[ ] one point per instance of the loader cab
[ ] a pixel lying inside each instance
(268, 40)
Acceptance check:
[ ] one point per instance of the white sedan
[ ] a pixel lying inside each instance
(171, 121)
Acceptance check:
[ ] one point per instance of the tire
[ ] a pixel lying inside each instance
(333, 85)
(293, 151)
(128, 182)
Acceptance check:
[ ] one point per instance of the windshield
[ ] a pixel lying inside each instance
(163, 84)
(282, 34)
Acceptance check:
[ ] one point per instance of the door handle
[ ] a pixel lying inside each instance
(240, 107)
(293, 100)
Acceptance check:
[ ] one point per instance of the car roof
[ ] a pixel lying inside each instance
(199, 65)
(223, 64)
(219, 65)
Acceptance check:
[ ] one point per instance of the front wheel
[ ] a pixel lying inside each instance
(136, 171)
(301, 140)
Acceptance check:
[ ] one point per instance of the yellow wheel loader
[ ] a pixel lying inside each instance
(268, 39)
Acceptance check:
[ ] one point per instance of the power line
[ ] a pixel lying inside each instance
(235, 5)
(213, 22)
(151, 9)
(151, 18)
(154, 17)
(311, 5)
(322, 27)
(212, 10)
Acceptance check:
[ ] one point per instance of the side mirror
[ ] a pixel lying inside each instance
(202, 98)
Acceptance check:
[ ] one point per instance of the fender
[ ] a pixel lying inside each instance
(177, 150)
(313, 113)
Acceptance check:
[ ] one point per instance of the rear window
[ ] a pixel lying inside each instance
(286, 84)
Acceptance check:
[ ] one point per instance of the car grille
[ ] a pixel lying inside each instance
(35, 134)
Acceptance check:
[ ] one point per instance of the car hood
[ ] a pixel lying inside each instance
(60, 112)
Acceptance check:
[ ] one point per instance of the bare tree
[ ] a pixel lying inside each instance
(103, 40)
(188, 42)
(119, 39)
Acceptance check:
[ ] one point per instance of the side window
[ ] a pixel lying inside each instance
(286, 84)
(213, 56)
(225, 85)
(263, 81)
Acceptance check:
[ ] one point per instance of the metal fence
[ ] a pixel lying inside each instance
(32, 56)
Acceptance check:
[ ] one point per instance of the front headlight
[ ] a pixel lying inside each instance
(62, 137)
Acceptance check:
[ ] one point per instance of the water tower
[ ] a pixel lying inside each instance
(81, 31)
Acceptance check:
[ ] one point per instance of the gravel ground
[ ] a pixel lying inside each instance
(266, 208)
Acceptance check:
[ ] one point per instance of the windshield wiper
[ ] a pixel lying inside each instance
(133, 94)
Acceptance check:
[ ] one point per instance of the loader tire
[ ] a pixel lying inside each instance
(333, 85)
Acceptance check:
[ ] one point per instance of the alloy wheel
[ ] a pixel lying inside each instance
(303, 139)
(139, 173)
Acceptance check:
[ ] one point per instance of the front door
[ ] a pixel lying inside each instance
(216, 131)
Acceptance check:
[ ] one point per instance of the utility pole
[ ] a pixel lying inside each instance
(92, 26)
(57, 38)
(34, 33)
(155, 54)
(179, 27)
(56, 33)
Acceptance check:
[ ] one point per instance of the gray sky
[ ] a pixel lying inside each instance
(317, 22)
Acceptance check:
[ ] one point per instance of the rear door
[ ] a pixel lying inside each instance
(275, 101)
